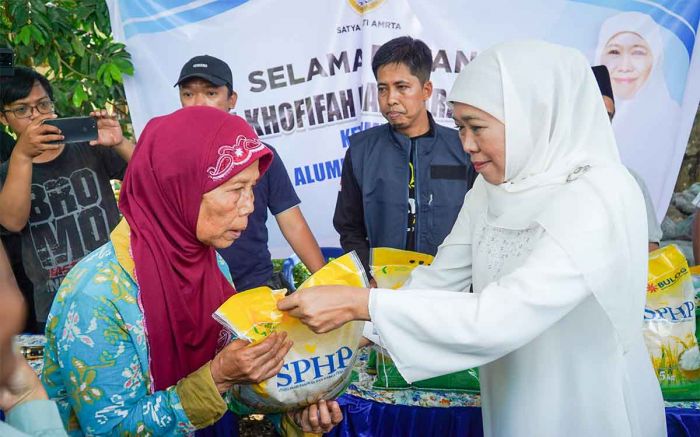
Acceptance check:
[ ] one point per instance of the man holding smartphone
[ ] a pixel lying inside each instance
(57, 197)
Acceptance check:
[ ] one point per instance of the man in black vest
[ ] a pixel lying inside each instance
(403, 183)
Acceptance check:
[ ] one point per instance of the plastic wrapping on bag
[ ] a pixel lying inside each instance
(318, 366)
(391, 268)
(695, 274)
(670, 324)
(252, 315)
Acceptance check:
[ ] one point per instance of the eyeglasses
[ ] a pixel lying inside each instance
(24, 111)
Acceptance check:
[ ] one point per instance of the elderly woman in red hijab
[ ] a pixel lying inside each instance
(132, 347)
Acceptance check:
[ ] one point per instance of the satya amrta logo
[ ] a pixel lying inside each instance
(66, 220)
(362, 6)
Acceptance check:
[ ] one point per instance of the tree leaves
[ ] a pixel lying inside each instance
(78, 46)
(70, 42)
(79, 95)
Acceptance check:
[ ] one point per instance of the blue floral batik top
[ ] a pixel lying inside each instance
(97, 360)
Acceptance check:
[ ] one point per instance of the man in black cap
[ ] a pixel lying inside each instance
(602, 76)
(207, 81)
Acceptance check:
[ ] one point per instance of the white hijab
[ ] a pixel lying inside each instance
(647, 122)
(563, 170)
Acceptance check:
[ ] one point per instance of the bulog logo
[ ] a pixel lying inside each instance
(667, 281)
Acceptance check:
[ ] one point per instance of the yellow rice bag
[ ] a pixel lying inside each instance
(252, 315)
(318, 366)
(392, 267)
(669, 328)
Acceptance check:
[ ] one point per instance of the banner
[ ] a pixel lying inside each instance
(302, 71)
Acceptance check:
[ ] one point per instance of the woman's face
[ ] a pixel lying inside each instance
(224, 211)
(629, 60)
(484, 138)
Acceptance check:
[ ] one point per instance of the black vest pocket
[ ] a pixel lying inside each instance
(452, 172)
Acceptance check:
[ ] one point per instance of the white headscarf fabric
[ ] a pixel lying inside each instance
(563, 170)
(647, 122)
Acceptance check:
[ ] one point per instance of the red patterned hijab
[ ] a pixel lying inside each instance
(178, 158)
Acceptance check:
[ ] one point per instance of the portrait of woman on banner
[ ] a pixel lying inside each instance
(631, 45)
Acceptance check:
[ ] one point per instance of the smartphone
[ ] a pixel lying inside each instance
(7, 62)
(75, 129)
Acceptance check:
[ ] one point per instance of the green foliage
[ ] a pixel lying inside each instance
(301, 273)
(69, 41)
(277, 264)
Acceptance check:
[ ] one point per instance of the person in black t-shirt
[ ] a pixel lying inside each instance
(7, 143)
(56, 196)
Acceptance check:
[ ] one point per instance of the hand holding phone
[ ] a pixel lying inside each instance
(109, 130)
(75, 129)
(38, 138)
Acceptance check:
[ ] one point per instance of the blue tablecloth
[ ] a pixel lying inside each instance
(682, 422)
(365, 418)
(368, 418)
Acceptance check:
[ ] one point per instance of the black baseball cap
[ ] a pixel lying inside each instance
(208, 68)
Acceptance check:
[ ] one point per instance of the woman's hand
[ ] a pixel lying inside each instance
(318, 418)
(22, 386)
(325, 308)
(241, 363)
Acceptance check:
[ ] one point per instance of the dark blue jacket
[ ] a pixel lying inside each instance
(372, 206)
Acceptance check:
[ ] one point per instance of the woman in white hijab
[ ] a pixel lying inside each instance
(553, 240)
(646, 119)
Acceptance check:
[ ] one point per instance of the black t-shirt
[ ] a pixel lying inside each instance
(412, 212)
(7, 143)
(73, 211)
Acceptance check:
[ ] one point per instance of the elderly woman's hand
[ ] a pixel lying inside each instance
(318, 418)
(241, 363)
(327, 307)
